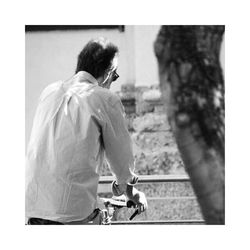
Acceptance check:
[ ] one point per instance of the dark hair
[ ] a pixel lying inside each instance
(96, 57)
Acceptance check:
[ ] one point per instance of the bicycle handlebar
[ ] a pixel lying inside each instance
(119, 202)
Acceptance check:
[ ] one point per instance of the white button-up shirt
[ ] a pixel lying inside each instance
(76, 122)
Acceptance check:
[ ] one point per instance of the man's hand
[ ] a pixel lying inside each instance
(137, 197)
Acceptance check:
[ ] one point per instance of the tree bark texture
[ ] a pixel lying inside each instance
(192, 86)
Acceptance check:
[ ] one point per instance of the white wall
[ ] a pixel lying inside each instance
(146, 72)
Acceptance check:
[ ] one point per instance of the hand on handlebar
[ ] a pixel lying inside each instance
(137, 197)
(134, 195)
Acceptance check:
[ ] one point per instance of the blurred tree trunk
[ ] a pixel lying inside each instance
(192, 87)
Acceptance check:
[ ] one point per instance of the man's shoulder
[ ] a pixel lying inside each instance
(107, 95)
(50, 88)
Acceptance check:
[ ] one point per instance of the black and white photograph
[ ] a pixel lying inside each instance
(132, 131)
(131, 128)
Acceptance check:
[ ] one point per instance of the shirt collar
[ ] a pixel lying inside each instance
(83, 76)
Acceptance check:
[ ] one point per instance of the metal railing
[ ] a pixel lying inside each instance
(105, 180)
(150, 179)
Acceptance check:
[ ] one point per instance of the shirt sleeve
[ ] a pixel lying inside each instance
(118, 144)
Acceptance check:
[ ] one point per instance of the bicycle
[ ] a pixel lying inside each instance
(112, 206)
(102, 216)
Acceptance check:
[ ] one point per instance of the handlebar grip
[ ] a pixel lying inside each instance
(130, 204)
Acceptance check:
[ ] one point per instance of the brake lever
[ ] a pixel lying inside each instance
(132, 204)
(134, 214)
